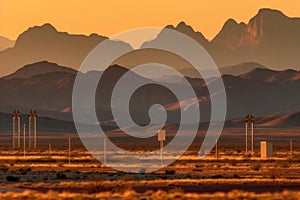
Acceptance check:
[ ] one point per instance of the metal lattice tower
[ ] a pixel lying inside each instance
(16, 128)
(32, 116)
(249, 131)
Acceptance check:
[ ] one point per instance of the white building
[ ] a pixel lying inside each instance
(266, 149)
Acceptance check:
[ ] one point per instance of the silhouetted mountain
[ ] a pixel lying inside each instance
(266, 75)
(142, 56)
(288, 120)
(49, 92)
(5, 43)
(44, 42)
(235, 70)
(269, 38)
(257, 92)
(260, 91)
(284, 121)
(241, 68)
(43, 67)
(259, 73)
(231, 35)
(188, 30)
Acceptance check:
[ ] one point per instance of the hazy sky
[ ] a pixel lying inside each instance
(109, 17)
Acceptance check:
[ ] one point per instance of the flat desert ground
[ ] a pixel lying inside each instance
(47, 172)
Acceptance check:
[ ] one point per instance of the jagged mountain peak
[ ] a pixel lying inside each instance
(231, 34)
(48, 34)
(232, 22)
(186, 29)
(268, 12)
(46, 27)
(265, 27)
(183, 25)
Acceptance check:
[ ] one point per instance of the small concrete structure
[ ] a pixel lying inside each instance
(266, 149)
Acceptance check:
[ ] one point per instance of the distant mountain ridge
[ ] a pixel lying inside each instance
(42, 67)
(287, 120)
(269, 38)
(45, 43)
(260, 29)
(235, 70)
(260, 91)
(269, 76)
(241, 68)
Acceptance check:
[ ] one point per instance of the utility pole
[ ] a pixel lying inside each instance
(32, 127)
(24, 140)
(49, 149)
(18, 114)
(13, 130)
(69, 150)
(29, 131)
(252, 138)
(217, 150)
(249, 131)
(104, 150)
(291, 148)
(246, 125)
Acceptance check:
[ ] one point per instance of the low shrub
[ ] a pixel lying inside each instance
(61, 176)
(170, 172)
(12, 178)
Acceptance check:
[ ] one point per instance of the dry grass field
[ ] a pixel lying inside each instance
(42, 174)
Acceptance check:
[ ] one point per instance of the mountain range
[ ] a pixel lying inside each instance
(48, 87)
(258, 60)
(269, 38)
(44, 42)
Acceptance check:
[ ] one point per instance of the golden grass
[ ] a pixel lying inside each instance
(150, 195)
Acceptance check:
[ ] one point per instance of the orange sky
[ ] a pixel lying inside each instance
(113, 16)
